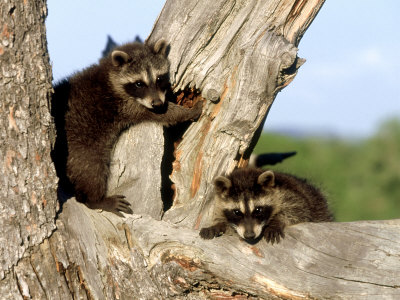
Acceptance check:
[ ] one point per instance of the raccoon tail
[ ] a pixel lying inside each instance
(259, 160)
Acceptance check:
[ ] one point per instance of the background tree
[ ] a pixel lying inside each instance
(234, 56)
(27, 177)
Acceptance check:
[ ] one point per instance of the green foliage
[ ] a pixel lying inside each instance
(360, 179)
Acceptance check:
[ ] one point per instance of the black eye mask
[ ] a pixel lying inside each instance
(136, 89)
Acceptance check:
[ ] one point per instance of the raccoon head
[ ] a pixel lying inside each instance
(140, 72)
(247, 204)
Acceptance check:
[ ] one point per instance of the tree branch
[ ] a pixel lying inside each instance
(118, 258)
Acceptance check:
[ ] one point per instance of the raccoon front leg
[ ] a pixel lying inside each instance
(213, 231)
(90, 184)
(274, 231)
(115, 204)
(175, 114)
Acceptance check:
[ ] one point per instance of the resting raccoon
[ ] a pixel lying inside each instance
(260, 203)
(93, 106)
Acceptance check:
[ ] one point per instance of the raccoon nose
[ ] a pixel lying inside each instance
(249, 235)
(156, 103)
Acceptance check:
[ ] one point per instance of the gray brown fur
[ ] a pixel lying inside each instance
(266, 202)
(93, 106)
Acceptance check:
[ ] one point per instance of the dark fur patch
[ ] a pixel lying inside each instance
(262, 213)
(136, 89)
(162, 82)
(244, 183)
(233, 216)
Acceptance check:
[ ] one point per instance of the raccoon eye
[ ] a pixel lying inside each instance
(139, 84)
(162, 78)
(258, 211)
(162, 81)
(262, 212)
(237, 212)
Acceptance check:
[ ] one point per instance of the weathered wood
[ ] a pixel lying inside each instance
(238, 55)
(135, 168)
(315, 260)
(101, 256)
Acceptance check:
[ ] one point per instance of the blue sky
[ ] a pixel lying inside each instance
(348, 86)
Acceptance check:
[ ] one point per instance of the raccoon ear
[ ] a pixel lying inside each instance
(222, 184)
(119, 58)
(161, 47)
(266, 179)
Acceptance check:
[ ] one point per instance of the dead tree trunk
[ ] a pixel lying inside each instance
(236, 55)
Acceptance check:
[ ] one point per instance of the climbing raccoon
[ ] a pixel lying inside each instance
(259, 203)
(93, 106)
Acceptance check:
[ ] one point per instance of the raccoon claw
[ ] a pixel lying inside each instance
(124, 206)
(117, 204)
(273, 235)
(212, 232)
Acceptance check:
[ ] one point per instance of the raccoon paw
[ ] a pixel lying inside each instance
(213, 231)
(116, 204)
(273, 234)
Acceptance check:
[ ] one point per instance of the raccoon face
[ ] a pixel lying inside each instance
(141, 73)
(247, 210)
(149, 90)
(248, 217)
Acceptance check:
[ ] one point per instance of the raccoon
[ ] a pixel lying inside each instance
(257, 203)
(93, 106)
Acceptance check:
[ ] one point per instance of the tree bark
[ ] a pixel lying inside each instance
(233, 55)
(27, 178)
